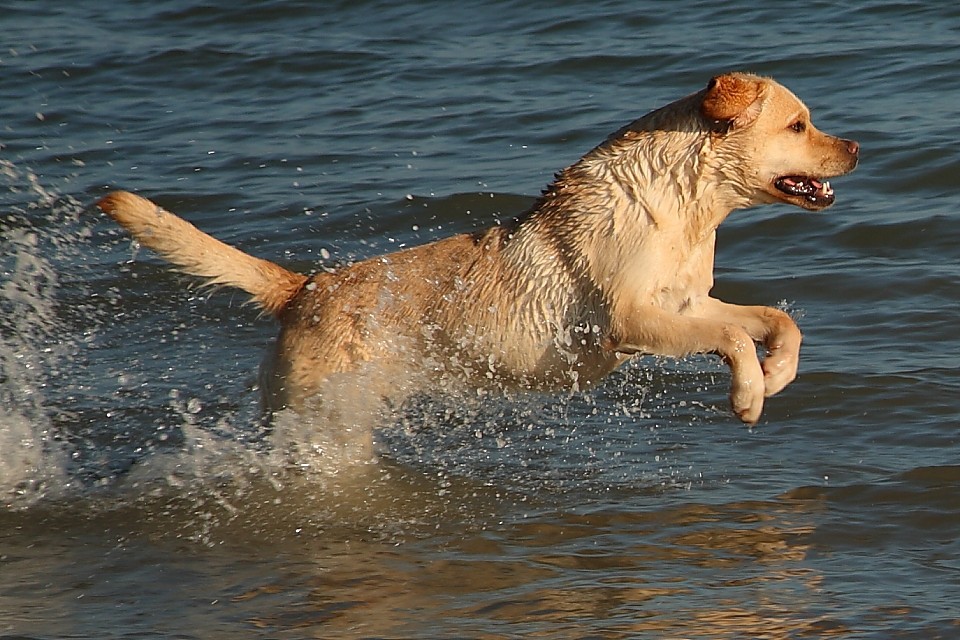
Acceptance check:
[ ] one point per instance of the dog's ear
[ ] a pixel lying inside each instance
(732, 100)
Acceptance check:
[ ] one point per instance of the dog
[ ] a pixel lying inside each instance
(614, 259)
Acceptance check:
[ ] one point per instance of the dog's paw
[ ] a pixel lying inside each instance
(746, 398)
(779, 370)
(747, 384)
(747, 390)
(783, 357)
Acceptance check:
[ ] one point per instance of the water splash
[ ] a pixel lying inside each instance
(33, 234)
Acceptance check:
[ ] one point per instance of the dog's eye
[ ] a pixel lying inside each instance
(799, 126)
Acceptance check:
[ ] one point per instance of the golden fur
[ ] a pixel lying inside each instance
(614, 259)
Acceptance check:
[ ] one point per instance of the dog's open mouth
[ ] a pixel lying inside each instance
(817, 193)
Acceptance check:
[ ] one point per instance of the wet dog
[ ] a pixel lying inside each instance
(614, 259)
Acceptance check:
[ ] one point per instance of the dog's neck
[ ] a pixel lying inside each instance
(645, 187)
(653, 178)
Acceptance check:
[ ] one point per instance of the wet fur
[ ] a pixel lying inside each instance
(614, 259)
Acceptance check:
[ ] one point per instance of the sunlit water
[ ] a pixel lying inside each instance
(144, 496)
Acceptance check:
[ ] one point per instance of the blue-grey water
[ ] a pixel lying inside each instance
(142, 496)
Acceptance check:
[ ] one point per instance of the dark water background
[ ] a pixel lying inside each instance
(141, 496)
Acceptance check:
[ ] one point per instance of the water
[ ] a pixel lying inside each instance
(142, 495)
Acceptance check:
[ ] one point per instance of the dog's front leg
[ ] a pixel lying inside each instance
(653, 331)
(772, 328)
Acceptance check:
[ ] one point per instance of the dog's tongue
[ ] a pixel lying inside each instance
(821, 188)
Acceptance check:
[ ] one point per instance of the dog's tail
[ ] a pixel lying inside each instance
(196, 253)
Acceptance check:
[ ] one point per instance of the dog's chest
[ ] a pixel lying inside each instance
(668, 273)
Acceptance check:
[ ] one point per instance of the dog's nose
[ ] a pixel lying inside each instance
(853, 147)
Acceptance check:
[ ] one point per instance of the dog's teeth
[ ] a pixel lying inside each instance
(827, 189)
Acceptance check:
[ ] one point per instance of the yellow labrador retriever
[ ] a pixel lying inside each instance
(614, 259)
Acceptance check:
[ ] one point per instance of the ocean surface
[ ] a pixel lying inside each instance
(143, 496)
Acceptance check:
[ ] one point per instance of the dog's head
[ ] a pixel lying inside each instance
(764, 133)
